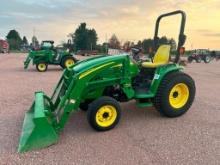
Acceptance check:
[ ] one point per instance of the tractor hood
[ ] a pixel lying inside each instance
(96, 61)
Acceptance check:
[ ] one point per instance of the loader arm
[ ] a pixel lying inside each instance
(28, 60)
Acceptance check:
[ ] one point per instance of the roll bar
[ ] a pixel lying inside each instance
(182, 36)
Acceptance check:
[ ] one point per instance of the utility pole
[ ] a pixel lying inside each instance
(106, 43)
(34, 30)
(192, 46)
(34, 42)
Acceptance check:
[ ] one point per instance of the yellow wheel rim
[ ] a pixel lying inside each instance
(106, 116)
(179, 95)
(42, 67)
(68, 63)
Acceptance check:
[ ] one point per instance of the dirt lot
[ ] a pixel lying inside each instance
(142, 137)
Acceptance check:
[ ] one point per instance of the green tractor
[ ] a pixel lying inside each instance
(98, 85)
(46, 55)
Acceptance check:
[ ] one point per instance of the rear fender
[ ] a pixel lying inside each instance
(63, 56)
(159, 75)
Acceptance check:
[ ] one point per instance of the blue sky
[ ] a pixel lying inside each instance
(129, 20)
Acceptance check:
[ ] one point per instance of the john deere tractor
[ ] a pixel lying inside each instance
(98, 85)
(48, 55)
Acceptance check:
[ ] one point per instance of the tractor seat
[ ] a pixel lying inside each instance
(161, 57)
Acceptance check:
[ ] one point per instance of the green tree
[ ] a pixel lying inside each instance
(84, 38)
(139, 44)
(163, 40)
(114, 43)
(92, 38)
(24, 41)
(14, 40)
(102, 48)
(127, 46)
(147, 45)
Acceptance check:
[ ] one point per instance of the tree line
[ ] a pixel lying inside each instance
(84, 38)
(146, 45)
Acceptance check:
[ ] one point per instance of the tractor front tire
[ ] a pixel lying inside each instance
(190, 59)
(67, 62)
(104, 113)
(175, 94)
(198, 59)
(41, 67)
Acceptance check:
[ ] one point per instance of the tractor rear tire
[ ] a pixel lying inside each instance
(207, 59)
(67, 61)
(104, 113)
(175, 94)
(41, 67)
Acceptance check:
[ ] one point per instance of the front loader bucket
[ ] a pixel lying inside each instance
(38, 131)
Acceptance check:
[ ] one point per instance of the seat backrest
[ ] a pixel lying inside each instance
(162, 55)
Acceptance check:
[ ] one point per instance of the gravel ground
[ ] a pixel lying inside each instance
(142, 137)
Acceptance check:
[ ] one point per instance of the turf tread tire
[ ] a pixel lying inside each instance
(94, 107)
(41, 70)
(198, 59)
(162, 105)
(207, 59)
(190, 59)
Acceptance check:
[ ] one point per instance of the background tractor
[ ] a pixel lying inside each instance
(48, 55)
(98, 85)
(200, 55)
(215, 54)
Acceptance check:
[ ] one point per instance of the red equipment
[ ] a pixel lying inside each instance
(4, 46)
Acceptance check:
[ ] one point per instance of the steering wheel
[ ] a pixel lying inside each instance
(135, 54)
